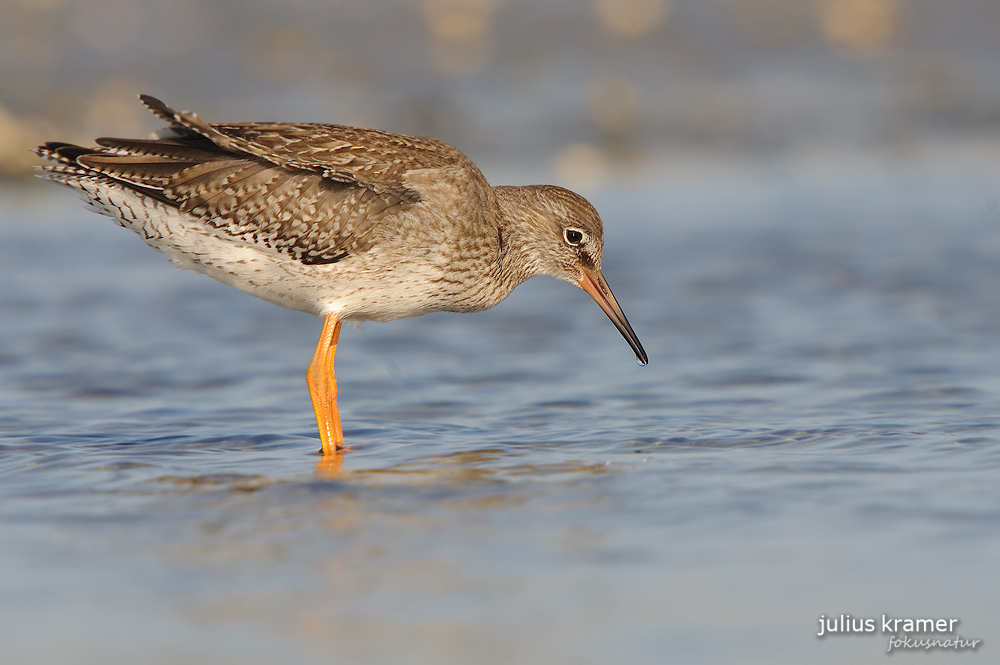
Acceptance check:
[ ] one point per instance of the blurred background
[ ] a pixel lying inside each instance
(586, 92)
(801, 218)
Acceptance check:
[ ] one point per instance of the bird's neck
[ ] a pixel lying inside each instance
(519, 255)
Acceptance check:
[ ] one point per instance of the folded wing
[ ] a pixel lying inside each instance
(315, 192)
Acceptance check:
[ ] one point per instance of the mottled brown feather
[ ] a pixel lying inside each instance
(317, 192)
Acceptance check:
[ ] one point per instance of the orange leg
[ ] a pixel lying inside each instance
(323, 387)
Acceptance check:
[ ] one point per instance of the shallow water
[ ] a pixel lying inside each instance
(816, 434)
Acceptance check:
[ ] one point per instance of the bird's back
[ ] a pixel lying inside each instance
(288, 212)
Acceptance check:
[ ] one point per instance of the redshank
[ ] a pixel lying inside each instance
(348, 224)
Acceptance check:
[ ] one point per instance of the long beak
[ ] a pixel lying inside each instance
(592, 281)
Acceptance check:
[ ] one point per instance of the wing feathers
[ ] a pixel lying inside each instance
(316, 192)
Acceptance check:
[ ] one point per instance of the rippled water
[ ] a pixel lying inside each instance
(816, 434)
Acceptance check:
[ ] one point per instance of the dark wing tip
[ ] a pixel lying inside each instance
(159, 109)
(183, 122)
(63, 153)
(48, 149)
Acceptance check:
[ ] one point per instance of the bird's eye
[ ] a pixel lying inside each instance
(573, 236)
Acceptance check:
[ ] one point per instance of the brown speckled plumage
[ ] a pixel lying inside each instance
(342, 222)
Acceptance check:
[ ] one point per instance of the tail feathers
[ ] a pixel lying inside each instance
(64, 168)
(64, 154)
(137, 170)
(83, 169)
(202, 142)
(188, 150)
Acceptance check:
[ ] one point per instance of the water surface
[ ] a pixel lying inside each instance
(816, 434)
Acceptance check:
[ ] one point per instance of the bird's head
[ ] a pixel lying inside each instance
(561, 234)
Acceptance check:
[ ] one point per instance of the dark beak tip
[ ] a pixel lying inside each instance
(594, 284)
